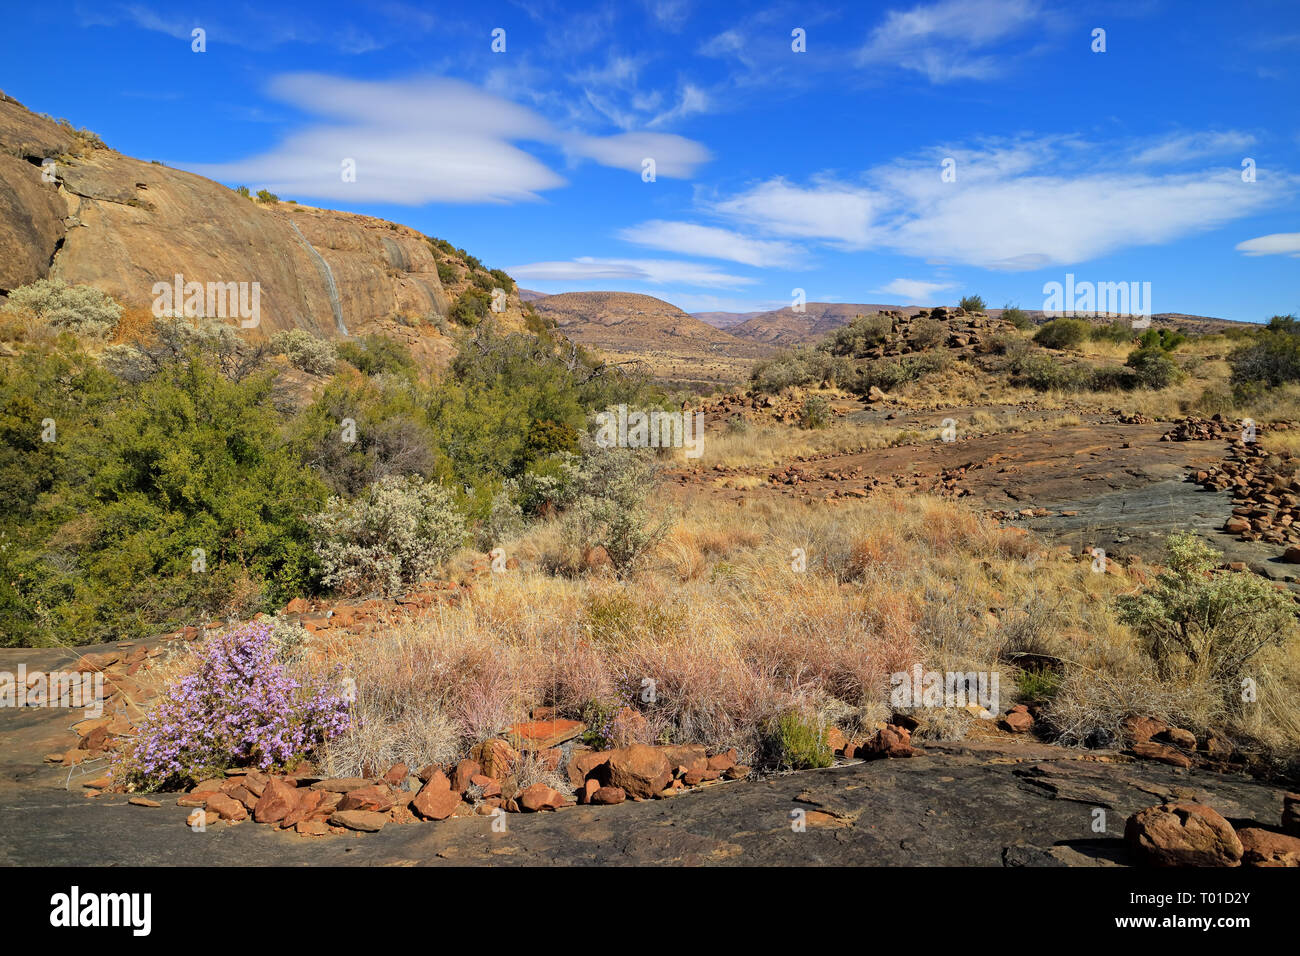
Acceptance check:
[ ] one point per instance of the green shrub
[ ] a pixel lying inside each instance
(266, 196)
(860, 336)
(1204, 626)
(928, 333)
(244, 191)
(1118, 331)
(972, 303)
(447, 273)
(1016, 316)
(1045, 373)
(471, 307)
(1271, 356)
(610, 510)
(503, 279)
(377, 354)
(305, 351)
(396, 534)
(815, 412)
(1164, 339)
(795, 743)
(798, 367)
(887, 374)
(79, 309)
(1063, 333)
(1153, 368)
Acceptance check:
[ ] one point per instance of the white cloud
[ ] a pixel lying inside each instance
(654, 271)
(915, 290)
(1276, 244)
(690, 239)
(1026, 205)
(943, 40)
(1174, 149)
(825, 210)
(431, 140)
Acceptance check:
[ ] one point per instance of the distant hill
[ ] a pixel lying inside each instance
(528, 295)
(674, 344)
(786, 328)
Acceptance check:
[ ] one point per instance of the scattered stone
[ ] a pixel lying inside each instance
(367, 821)
(1182, 834)
(436, 800)
(143, 802)
(640, 770)
(1268, 848)
(540, 797)
(278, 799)
(608, 796)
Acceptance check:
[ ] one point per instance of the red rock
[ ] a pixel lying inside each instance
(686, 758)
(312, 827)
(277, 800)
(309, 802)
(544, 734)
(589, 787)
(226, 807)
(723, 761)
(583, 764)
(736, 772)
(396, 774)
(436, 800)
(340, 784)
(143, 802)
(367, 821)
(491, 788)
(1291, 813)
(1017, 721)
(641, 771)
(465, 773)
(496, 757)
(1182, 834)
(540, 797)
(836, 740)
(889, 741)
(207, 786)
(1268, 848)
(1178, 737)
(1141, 729)
(608, 796)
(1162, 753)
(376, 798)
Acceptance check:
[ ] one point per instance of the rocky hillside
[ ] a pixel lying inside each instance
(122, 224)
(625, 320)
(786, 328)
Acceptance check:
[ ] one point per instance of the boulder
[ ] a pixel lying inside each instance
(640, 770)
(540, 797)
(367, 821)
(376, 797)
(1182, 834)
(608, 796)
(278, 799)
(1268, 848)
(436, 800)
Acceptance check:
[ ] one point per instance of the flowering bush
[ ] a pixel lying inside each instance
(81, 309)
(239, 707)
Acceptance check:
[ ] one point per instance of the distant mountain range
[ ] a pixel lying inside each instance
(627, 322)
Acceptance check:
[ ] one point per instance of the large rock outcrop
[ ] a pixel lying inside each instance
(122, 225)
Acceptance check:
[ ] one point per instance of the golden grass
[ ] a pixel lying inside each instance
(731, 636)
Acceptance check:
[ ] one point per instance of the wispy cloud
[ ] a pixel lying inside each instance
(952, 39)
(1276, 244)
(1023, 205)
(432, 139)
(653, 271)
(691, 239)
(915, 290)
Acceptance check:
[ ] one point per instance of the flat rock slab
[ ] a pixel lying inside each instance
(976, 803)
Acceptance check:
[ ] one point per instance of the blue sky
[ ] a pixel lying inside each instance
(774, 169)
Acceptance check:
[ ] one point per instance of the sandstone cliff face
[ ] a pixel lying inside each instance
(121, 225)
